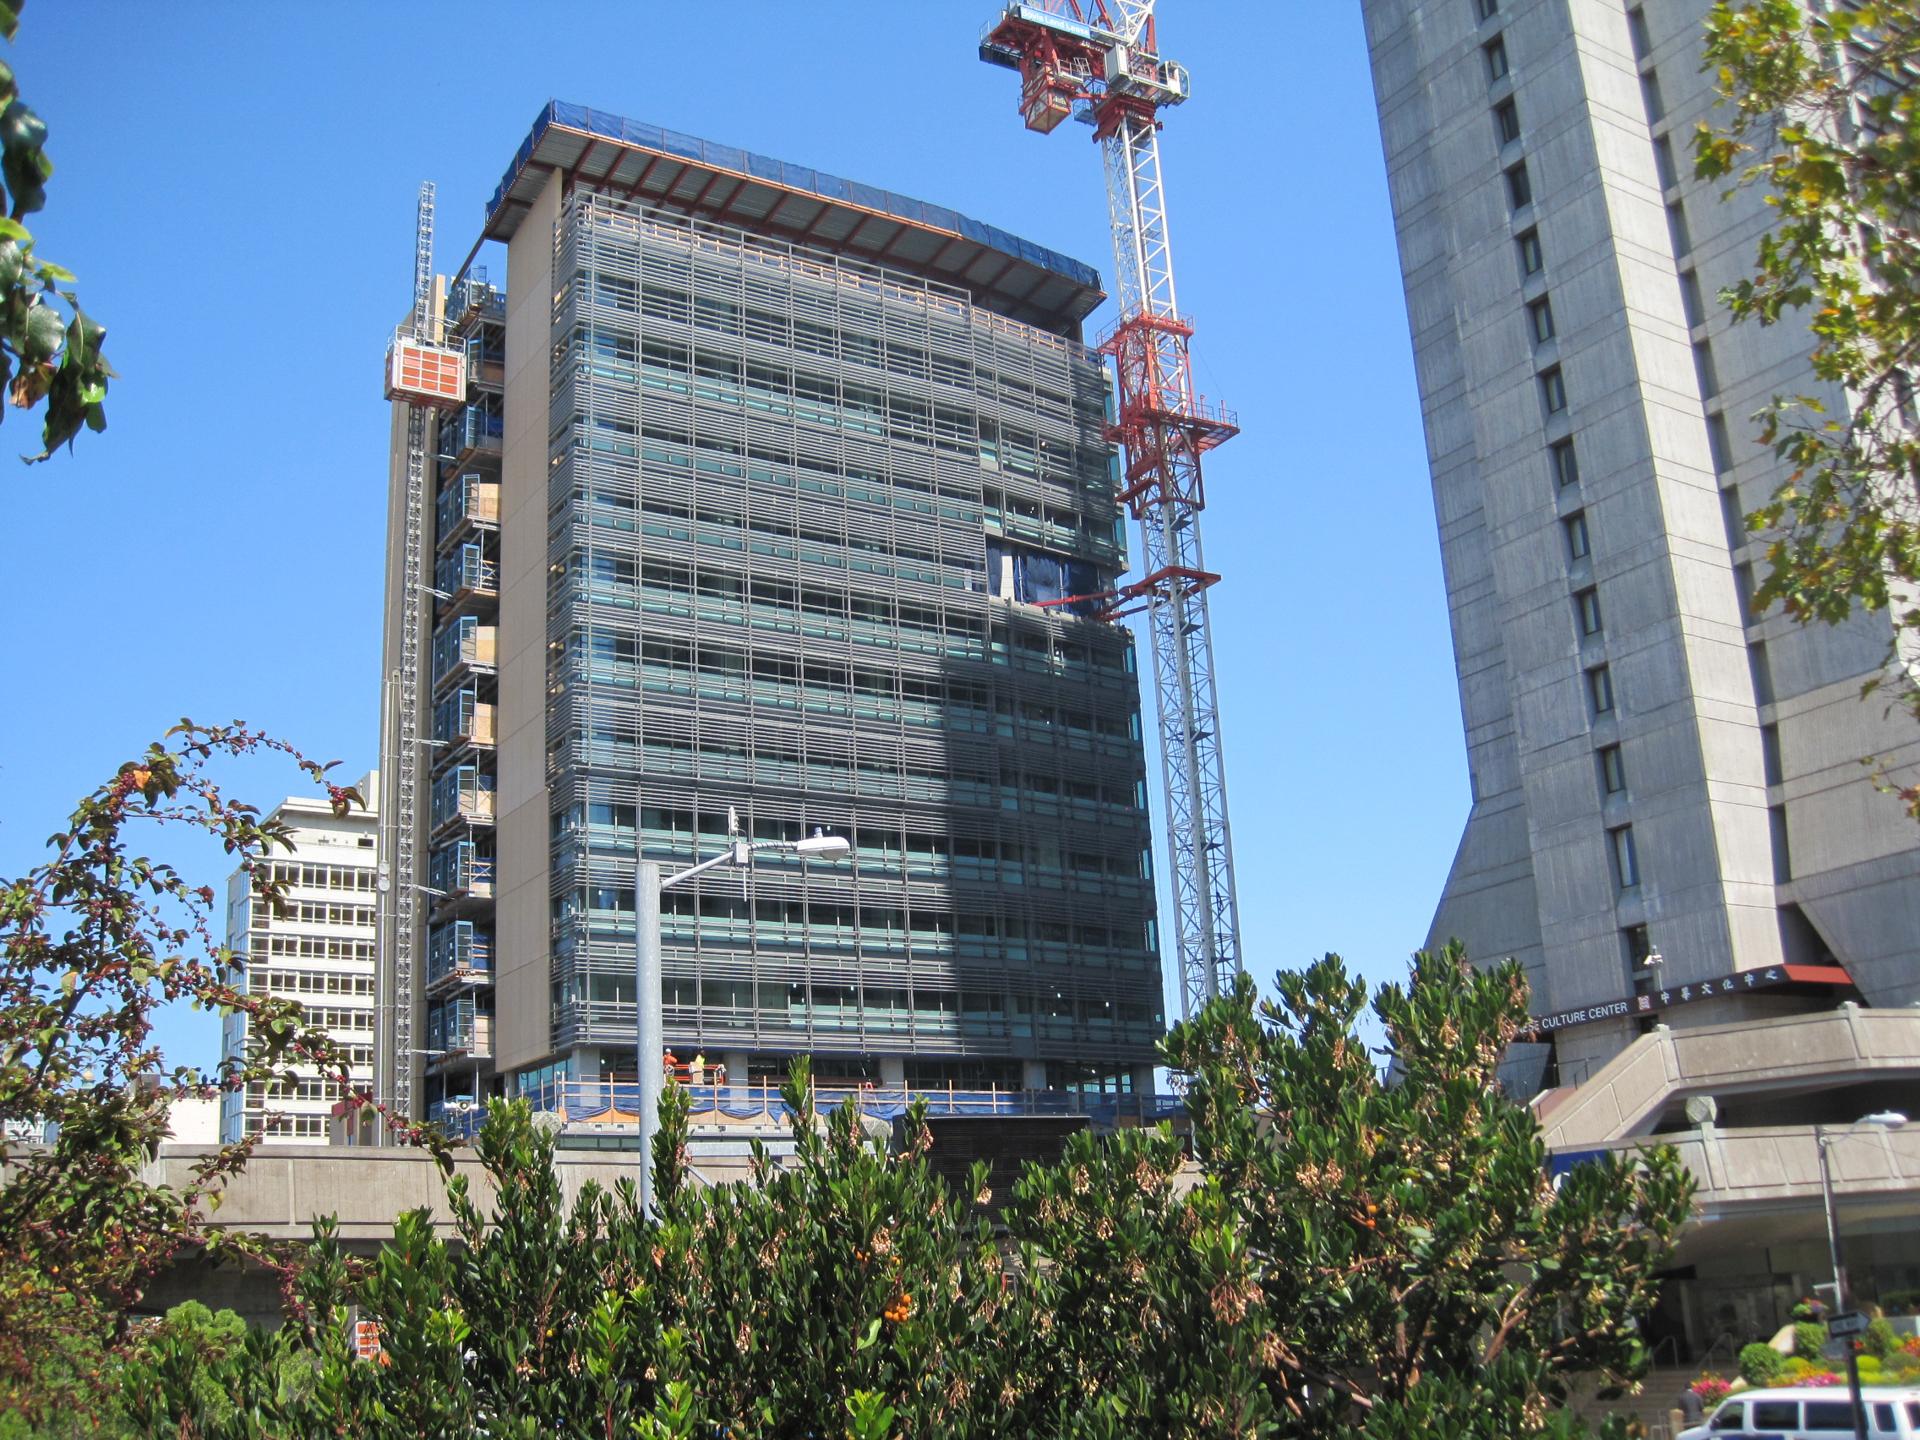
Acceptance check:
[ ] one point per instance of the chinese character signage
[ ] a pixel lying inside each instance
(1692, 993)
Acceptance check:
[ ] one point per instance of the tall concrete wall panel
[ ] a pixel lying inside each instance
(521, 911)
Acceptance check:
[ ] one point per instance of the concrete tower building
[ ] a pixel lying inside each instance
(1655, 768)
(772, 497)
(1670, 826)
(318, 949)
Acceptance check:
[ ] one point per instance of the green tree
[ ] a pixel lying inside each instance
(846, 1286)
(1818, 112)
(1358, 1256)
(50, 349)
(92, 942)
(1350, 1257)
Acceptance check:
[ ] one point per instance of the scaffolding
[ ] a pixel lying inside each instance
(775, 475)
(455, 995)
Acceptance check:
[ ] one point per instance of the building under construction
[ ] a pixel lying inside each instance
(772, 494)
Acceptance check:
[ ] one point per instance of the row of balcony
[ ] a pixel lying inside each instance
(459, 949)
(463, 718)
(468, 503)
(460, 867)
(460, 1027)
(466, 571)
(461, 871)
(475, 430)
(465, 643)
(463, 793)
(474, 295)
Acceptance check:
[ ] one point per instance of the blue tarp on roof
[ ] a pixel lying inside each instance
(794, 177)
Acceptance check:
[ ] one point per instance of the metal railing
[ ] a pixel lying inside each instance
(614, 1104)
(469, 498)
(466, 569)
(460, 947)
(463, 793)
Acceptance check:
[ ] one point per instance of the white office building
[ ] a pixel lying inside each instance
(317, 948)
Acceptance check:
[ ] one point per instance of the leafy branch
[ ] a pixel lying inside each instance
(50, 349)
(1821, 117)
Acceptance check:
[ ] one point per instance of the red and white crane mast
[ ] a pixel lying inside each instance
(1099, 60)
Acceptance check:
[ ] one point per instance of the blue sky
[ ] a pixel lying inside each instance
(235, 190)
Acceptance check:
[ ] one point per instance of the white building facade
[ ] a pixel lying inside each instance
(317, 949)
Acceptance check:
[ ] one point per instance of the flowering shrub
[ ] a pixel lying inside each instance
(1711, 1388)
(848, 1291)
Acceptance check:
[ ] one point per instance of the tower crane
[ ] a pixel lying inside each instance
(1099, 60)
(425, 376)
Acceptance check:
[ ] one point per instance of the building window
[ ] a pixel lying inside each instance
(1532, 261)
(1761, 670)
(1650, 97)
(1690, 298)
(1782, 854)
(1718, 444)
(1732, 519)
(1600, 690)
(1485, 9)
(1496, 52)
(1704, 371)
(1637, 35)
(1566, 468)
(1506, 121)
(1636, 945)
(1540, 321)
(1586, 606)
(1626, 860)
(1677, 234)
(1770, 753)
(1613, 770)
(1579, 542)
(1663, 163)
(1519, 187)
(1553, 390)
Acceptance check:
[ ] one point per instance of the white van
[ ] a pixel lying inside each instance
(1820, 1412)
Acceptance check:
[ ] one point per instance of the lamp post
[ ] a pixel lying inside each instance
(1842, 1295)
(649, 1023)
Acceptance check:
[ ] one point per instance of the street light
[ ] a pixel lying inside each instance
(649, 1023)
(1842, 1296)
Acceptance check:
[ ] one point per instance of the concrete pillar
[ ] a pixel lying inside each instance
(1033, 1074)
(736, 1063)
(1143, 1080)
(893, 1072)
